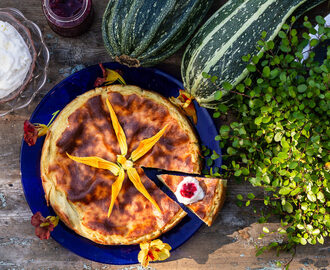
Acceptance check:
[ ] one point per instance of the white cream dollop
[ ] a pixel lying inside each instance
(198, 195)
(15, 59)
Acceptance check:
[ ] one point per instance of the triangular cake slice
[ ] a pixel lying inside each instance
(206, 207)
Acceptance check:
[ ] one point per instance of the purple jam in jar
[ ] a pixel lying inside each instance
(65, 8)
(68, 17)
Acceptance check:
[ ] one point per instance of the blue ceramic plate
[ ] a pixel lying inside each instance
(57, 99)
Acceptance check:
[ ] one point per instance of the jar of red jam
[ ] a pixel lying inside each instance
(68, 17)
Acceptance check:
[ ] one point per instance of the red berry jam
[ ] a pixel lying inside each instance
(188, 190)
(65, 8)
(68, 17)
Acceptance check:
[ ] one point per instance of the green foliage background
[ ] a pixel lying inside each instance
(280, 139)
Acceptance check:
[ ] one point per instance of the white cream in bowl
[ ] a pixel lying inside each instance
(15, 59)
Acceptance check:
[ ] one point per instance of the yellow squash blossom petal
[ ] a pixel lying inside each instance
(42, 129)
(113, 76)
(163, 255)
(135, 178)
(153, 251)
(118, 130)
(145, 145)
(97, 162)
(143, 258)
(115, 189)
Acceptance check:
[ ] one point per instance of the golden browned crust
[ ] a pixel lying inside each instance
(214, 189)
(80, 194)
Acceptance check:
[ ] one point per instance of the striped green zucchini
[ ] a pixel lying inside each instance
(232, 32)
(144, 32)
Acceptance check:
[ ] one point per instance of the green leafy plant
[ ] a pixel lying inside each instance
(279, 139)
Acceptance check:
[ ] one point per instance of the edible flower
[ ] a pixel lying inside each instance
(185, 102)
(44, 225)
(33, 131)
(109, 76)
(123, 164)
(155, 250)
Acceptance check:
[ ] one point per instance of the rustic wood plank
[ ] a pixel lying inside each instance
(228, 244)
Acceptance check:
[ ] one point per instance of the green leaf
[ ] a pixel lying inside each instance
(320, 239)
(227, 86)
(283, 155)
(316, 232)
(224, 129)
(246, 58)
(311, 196)
(214, 78)
(251, 68)
(304, 206)
(239, 197)
(260, 251)
(285, 190)
(258, 120)
(295, 191)
(293, 165)
(218, 95)
(238, 172)
(251, 196)
(265, 230)
(278, 136)
(314, 42)
(216, 115)
(270, 45)
(303, 241)
(205, 75)
(284, 143)
(302, 88)
(281, 34)
(288, 207)
(320, 20)
(222, 108)
(266, 72)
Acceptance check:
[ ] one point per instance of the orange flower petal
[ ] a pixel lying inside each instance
(118, 129)
(135, 178)
(97, 162)
(113, 76)
(146, 145)
(184, 101)
(115, 189)
(191, 112)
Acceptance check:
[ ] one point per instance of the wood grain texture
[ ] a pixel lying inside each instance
(228, 244)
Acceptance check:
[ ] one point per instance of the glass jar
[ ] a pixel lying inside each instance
(68, 17)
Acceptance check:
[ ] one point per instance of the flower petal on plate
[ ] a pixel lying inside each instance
(115, 189)
(118, 129)
(146, 144)
(97, 162)
(135, 178)
(113, 76)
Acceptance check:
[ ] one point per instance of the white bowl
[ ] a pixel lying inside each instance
(37, 74)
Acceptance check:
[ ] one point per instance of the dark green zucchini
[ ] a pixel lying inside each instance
(145, 32)
(232, 32)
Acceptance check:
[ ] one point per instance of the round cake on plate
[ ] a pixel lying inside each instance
(81, 194)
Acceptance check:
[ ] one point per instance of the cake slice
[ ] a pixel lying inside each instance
(203, 196)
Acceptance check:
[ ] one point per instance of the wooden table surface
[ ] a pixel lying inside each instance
(228, 244)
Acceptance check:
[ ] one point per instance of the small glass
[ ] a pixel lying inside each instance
(68, 18)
